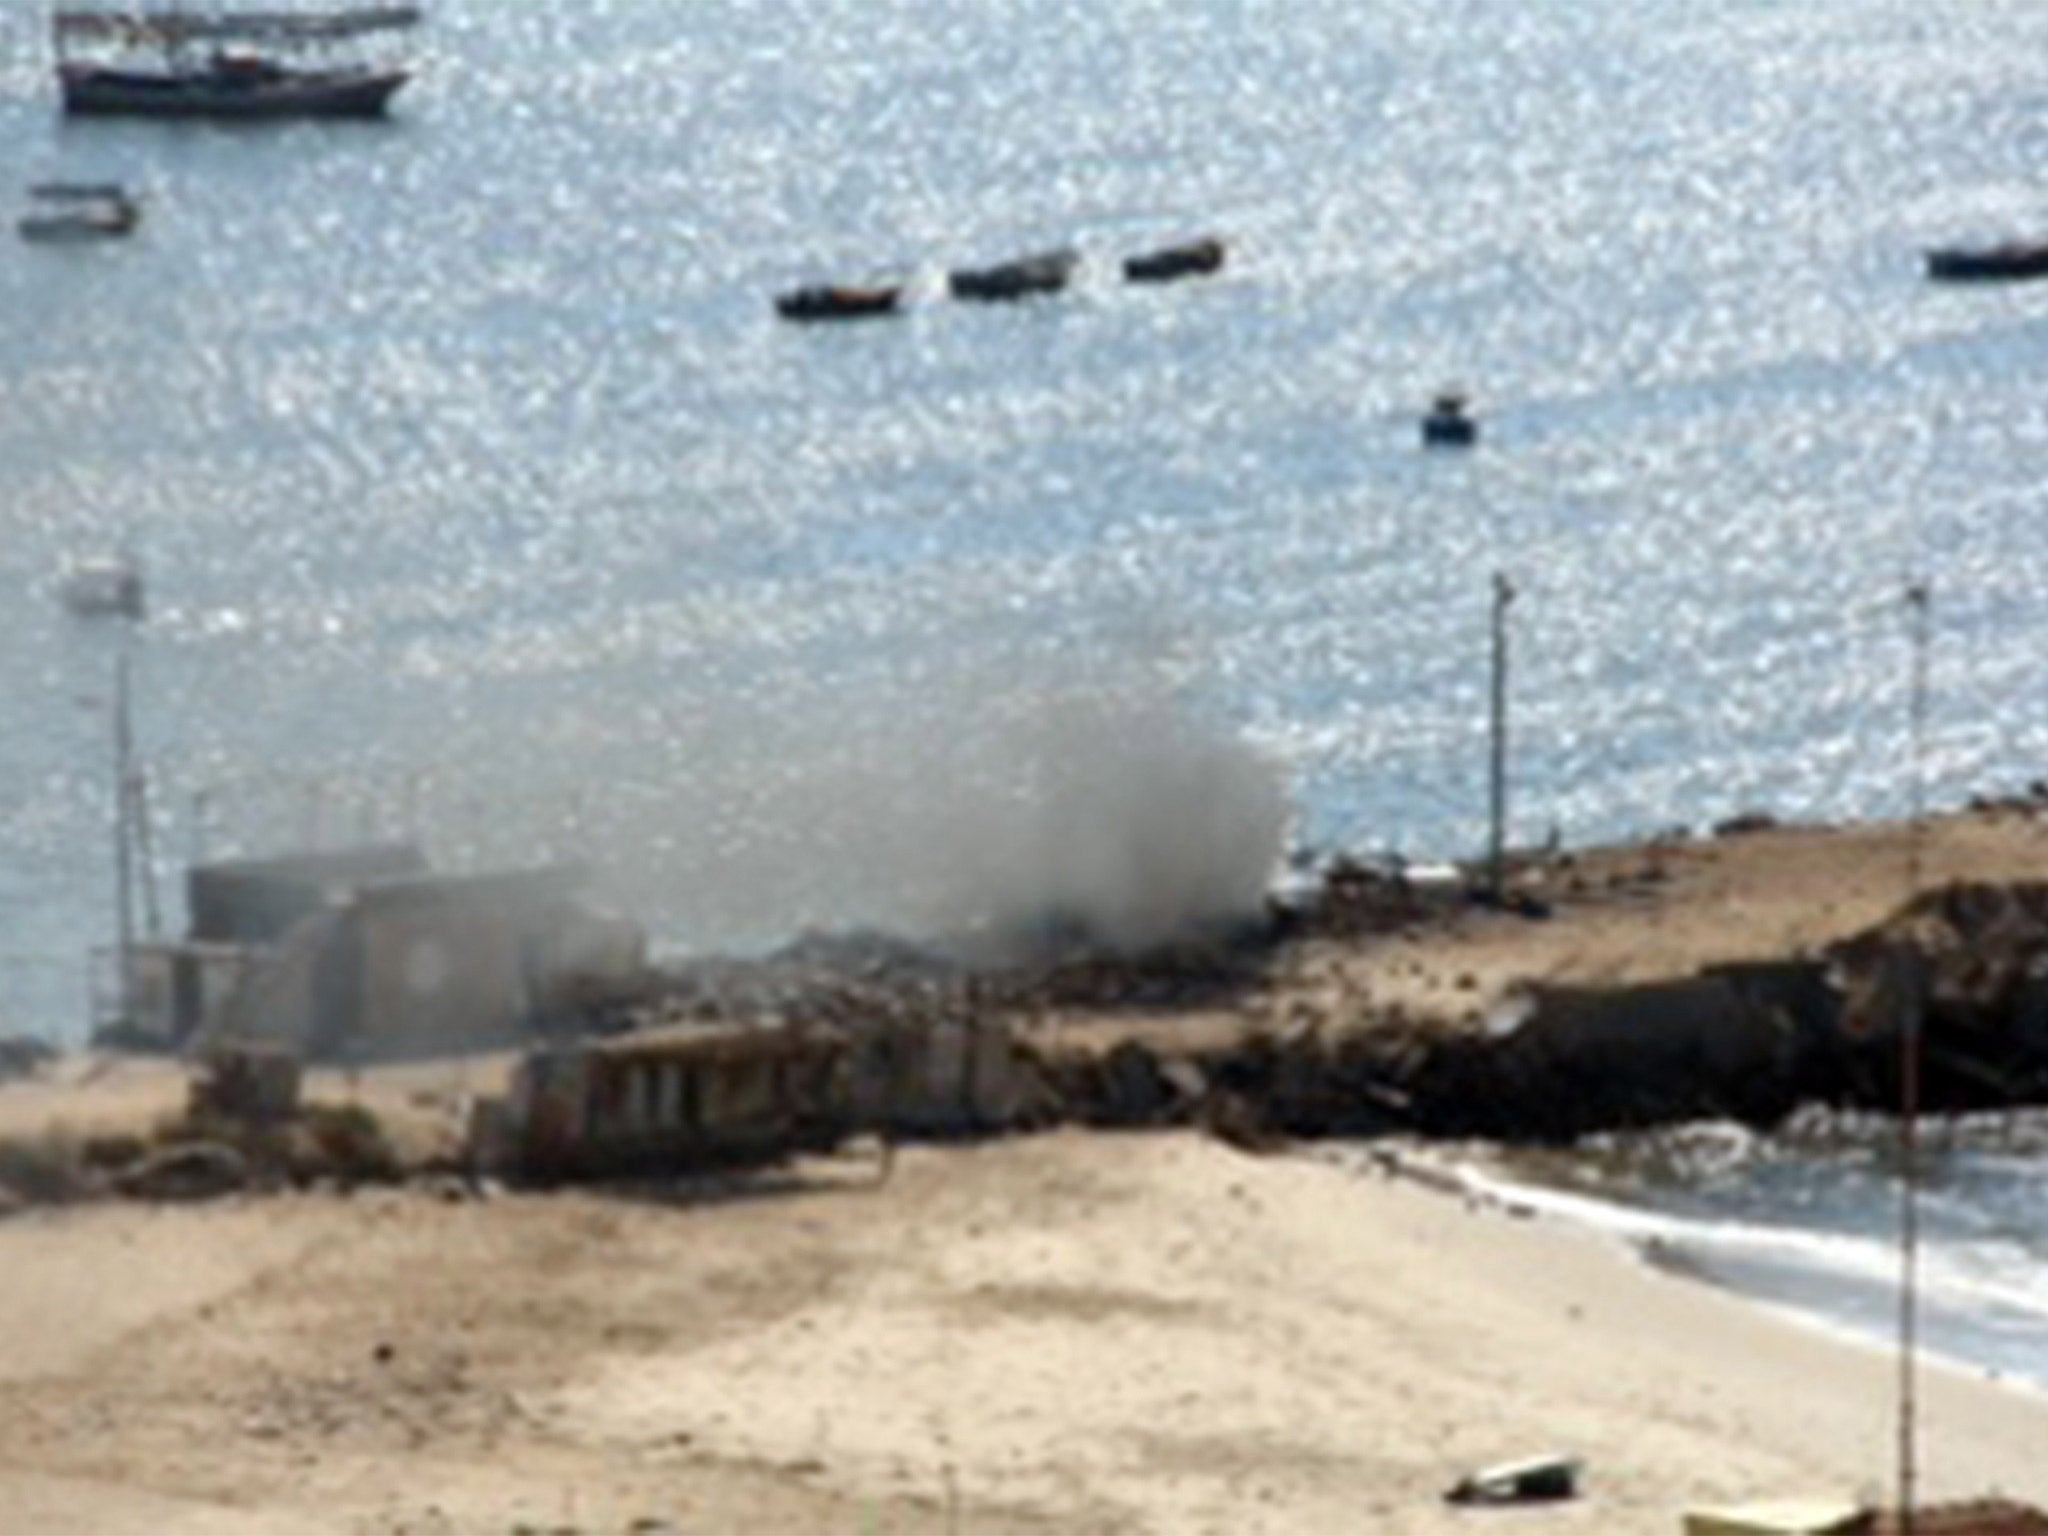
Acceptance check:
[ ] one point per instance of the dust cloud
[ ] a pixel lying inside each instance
(1007, 812)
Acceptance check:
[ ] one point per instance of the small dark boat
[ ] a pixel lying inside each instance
(1447, 425)
(2011, 261)
(109, 587)
(1046, 272)
(831, 301)
(68, 211)
(1195, 258)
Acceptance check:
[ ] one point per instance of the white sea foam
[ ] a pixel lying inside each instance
(1984, 1304)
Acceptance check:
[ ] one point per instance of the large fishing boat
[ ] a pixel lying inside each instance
(174, 63)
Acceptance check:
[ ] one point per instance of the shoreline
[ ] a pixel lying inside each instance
(1642, 1236)
(1075, 1331)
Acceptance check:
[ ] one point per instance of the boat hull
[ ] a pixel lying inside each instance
(91, 90)
(1449, 431)
(1044, 273)
(837, 303)
(1198, 258)
(2005, 263)
(62, 227)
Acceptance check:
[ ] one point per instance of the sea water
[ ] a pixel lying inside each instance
(483, 498)
(1811, 1219)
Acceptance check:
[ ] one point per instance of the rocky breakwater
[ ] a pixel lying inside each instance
(1965, 965)
(1226, 1036)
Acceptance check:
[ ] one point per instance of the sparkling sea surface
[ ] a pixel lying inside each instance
(482, 495)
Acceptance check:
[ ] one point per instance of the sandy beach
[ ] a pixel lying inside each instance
(1068, 1331)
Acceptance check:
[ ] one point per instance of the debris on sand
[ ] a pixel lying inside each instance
(1538, 1479)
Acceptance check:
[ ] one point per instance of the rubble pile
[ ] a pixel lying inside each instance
(864, 982)
(24, 1056)
(1747, 1042)
(1969, 962)
(1350, 898)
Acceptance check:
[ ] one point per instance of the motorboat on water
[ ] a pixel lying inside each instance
(176, 63)
(1448, 423)
(67, 211)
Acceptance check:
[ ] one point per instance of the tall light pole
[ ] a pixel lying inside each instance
(1497, 842)
(124, 869)
(1919, 602)
(1919, 606)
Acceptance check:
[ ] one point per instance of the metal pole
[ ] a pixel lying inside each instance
(1919, 600)
(124, 873)
(197, 853)
(1503, 596)
(145, 849)
(1909, 1248)
(309, 831)
(1919, 603)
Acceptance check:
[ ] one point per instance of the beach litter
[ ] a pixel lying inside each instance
(1538, 1479)
(1783, 1517)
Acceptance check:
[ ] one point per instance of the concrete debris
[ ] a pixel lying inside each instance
(248, 1081)
(196, 1170)
(23, 1056)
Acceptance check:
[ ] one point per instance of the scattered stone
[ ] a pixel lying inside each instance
(193, 1170)
(24, 1056)
(1745, 823)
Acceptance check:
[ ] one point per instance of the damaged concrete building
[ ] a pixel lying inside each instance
(705, 1094)
(366, 953)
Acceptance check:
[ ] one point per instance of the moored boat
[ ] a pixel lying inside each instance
(79, 211)
(1046, 272)
(2008, 261)
(1447, 425)
(180, 64)
(834, 301)
(103, 587)
(1193, 258)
